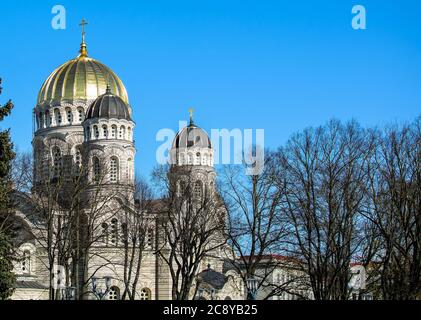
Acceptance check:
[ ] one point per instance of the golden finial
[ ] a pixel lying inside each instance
(191, 111)
(83, 51)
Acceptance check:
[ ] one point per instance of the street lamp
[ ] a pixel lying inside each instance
(68, 293)
(100, 293)
(252, 284)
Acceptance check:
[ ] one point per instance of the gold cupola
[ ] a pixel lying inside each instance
(82, 78)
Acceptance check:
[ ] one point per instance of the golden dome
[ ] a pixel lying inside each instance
(82, 78)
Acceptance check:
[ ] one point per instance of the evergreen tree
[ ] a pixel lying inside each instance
(7, 278)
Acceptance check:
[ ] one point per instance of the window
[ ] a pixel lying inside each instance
(197, 161)
(182, 159)
(104, 233)
(114, 232)
(80, 114)
(181, 188)
(25, 264)
(122, 133)
(57, 162)
(198, 192)
(105, 132)
(69, 115)
(113, 170)
(190, 159)
(114, 293)
(129, 133)
(88, 133)
(96, 169)
(145, 294)
(50, 119)
(114, 132)
(129, 170)
(96, 132)
(57, 114)
(149, 238)
(78, 160)
(39, 121)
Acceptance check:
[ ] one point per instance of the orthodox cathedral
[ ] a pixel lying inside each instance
(83, 118)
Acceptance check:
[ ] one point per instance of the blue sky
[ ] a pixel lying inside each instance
(276, 65)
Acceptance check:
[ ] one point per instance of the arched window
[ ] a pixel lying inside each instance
(181, 188)
(96, 169)
(105, 131)
(96, 132)
(114, 132)
(190, 159)
(25, 264)
(114, 293)
(88, 133)
(114, 232)
(78, 160)
(114, 169)
(182, 159)
(149, 238)
(41, 121)
(198, 190)
(80, 114)
(122, 133)
(130, 170)
(145, 294)
(57, 115)
(197, 160)
(47, 119)
(38, 118)
(129, 133)
(57, 162)
(69, 115)
(104, 233)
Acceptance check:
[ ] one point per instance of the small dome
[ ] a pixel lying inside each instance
(108, 106)
(192, 136)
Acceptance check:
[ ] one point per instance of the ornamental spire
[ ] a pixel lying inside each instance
(83, 51)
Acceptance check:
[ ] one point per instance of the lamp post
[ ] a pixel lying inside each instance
(68, 293)
(100, 293)
(252, 284)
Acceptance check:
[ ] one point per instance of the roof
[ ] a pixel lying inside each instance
(215, 279)
(80, 78)
(192, 136)
(29, 285)
(108, 106)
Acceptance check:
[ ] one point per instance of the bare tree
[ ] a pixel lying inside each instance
(256, 222)
(394, 211)
(64, 204)
(138, 234)
(322, 176)
(192, 226)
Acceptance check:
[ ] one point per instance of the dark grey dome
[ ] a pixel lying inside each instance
(108, 106)
(192, 136)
